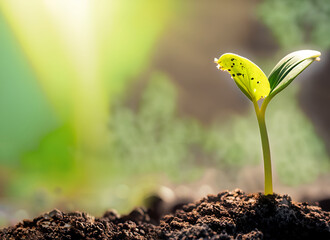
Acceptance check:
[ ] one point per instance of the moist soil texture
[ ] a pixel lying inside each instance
(226, 216)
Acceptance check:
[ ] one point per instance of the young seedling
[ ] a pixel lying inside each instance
(255, 85)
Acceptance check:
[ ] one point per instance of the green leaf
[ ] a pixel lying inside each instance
(289, 68)
(247, 75)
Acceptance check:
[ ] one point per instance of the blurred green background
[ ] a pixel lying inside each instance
(104, 103)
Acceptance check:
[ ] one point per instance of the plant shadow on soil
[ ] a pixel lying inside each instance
(228, 215)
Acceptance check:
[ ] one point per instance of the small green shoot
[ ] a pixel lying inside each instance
(255, 85)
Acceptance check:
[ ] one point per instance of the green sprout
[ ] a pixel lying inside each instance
(255, 85)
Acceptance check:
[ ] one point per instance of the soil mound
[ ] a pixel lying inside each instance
(235, 215)
(226, 216)
(77, 225)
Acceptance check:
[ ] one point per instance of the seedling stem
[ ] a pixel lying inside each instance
(260, 112)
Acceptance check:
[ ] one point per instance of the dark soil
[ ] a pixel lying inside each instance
(228, 215)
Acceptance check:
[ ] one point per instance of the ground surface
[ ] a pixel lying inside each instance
(228, 215)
